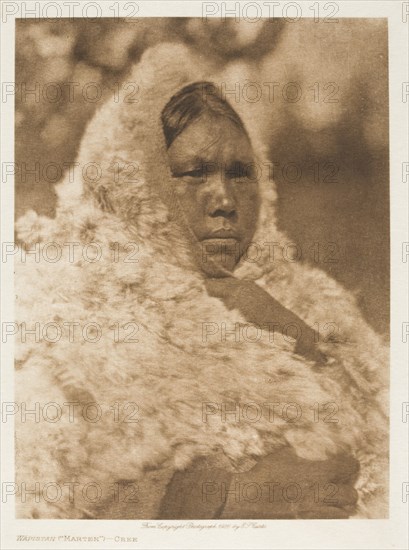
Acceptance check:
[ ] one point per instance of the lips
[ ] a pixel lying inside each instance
(223, 233)
(224, 242)
(221, 244)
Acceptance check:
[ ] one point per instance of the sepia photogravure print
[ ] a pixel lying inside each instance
(201, 266)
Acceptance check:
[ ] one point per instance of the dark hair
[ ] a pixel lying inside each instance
(192, 102)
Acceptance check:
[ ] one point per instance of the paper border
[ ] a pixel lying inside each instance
(311, 534)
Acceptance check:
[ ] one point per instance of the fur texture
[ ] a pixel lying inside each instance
(170, 372)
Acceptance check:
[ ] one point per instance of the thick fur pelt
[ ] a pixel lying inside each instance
(154, 337)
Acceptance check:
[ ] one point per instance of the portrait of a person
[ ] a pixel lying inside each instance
(201, 352)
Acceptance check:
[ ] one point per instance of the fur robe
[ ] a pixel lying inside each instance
(140, 333)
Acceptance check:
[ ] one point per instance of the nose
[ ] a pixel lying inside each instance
(221, 202)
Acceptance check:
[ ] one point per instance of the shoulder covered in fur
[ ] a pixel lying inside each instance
(137, 326)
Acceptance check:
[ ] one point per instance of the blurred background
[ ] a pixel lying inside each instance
(319, 92)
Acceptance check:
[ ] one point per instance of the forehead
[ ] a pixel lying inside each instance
(211, 138)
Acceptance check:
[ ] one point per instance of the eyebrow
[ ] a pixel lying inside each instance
(226, 167)
(183, 161)
(204, 149)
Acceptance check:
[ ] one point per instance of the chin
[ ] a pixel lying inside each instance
(218, 269)
(219, 256)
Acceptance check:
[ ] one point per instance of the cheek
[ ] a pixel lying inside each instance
(190, 203)
(188, 195)
(250, 205)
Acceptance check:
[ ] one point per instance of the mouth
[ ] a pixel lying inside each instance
(222, 242)
(222, 234)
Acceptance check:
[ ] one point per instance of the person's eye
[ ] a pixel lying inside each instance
(251, 173)
(237, 173)
(240, 172)
(195, 175)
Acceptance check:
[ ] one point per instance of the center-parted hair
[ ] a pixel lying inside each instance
(190, 104)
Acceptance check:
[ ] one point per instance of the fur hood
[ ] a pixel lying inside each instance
(154, 336)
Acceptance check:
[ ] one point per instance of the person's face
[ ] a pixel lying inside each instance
(214, 178)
